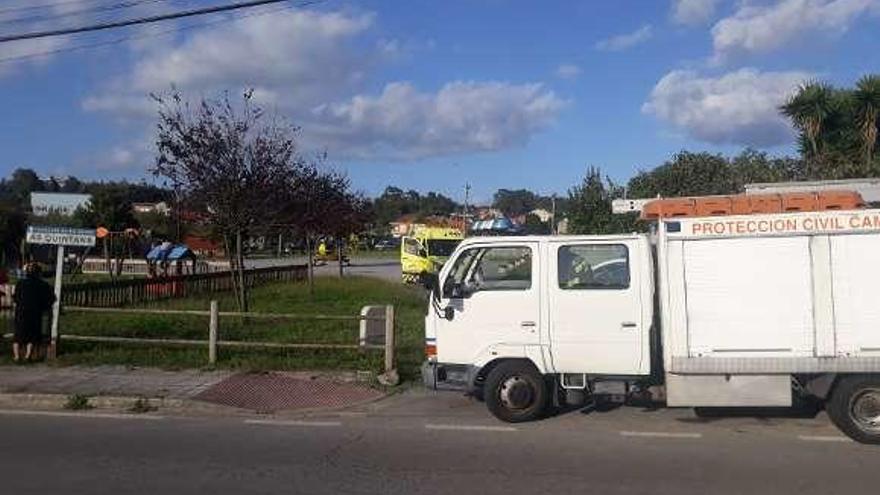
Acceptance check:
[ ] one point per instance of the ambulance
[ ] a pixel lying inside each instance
(425, 251)
(734, 301)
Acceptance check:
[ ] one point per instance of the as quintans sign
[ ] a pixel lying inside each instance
(60, 236)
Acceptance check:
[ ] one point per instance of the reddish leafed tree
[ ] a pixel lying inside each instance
(232, 163)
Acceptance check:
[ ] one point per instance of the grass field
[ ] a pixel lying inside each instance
(332, 296)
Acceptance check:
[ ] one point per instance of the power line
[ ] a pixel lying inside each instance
(140, 20)
(24, 8)
(123, 39)
(73, 13)
(44, 6)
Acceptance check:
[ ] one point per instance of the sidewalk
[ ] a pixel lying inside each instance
(119, 387)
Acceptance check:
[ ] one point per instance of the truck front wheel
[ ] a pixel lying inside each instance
(515, 392)
(854, 407)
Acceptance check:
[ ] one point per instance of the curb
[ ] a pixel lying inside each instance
(25, 401)
(58, 401)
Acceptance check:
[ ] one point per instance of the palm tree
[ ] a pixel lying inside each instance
(867, 98)
(808, 109)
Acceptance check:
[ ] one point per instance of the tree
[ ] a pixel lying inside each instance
(233, 165)
(515, 202)
(72, 185)
(395, 202)
(12, 231)
(534, 226)
(867, 102)
(687, 174)
(110, 208)
(808, 109)
(24, 181)
(590, 207)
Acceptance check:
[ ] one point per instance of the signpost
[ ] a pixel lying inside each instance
(59, 236)
(621, 206)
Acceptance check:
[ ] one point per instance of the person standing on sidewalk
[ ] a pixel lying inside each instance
(33, 297)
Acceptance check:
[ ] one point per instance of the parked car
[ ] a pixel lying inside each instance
(390, 244)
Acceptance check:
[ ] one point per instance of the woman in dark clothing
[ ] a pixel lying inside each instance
(33, 297)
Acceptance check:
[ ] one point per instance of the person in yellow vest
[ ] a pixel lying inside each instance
(322, 248)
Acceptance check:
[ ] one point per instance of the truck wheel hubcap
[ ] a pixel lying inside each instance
(517, 393)
(865, 409)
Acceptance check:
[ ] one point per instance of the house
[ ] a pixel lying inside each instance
(65, 204)
(407, 224)
(542, 214)
(487, 213)
(147, 208)
(204, 247)
(404, 225)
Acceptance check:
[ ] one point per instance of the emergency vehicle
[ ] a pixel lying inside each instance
(734, 301)
(426, 250)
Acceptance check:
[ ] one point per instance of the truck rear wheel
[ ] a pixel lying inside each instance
(515, 392)
(854, 407)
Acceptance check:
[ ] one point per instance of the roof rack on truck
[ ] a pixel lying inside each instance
(751, 204)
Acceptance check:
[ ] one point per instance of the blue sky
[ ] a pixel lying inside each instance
(431, 95)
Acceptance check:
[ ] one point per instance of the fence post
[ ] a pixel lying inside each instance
(389, 338)
(212, 333)
(390, 376)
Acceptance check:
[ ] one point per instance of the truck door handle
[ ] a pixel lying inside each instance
(628, 324)
(528, 324)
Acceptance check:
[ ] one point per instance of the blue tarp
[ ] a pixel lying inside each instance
(170, 253)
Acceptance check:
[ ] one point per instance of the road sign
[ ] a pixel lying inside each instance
(628, 205)
(60, 236)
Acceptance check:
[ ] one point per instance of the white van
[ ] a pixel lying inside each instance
(755, 311)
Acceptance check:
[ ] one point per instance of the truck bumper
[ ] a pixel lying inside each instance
(447, 376)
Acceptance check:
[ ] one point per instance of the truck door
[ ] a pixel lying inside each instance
(494, 293)
(595, 309)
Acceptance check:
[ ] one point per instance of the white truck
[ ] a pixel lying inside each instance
(752, 311)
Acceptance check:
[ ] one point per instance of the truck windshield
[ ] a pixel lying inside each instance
(442, 247)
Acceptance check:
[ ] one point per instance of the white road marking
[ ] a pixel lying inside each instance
(281, 422)
(469, 428)
(659, 434)
(72, 414)
(818, 438)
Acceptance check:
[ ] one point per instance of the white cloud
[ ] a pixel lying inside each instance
(568, 71)
(693, 12)
(739, 107)
(763, 28)
(44, 15)
(624, 41)
(298, 58)
(314, 67)
(461, 117)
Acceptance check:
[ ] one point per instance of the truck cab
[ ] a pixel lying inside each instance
(426, 250)
(565, 307)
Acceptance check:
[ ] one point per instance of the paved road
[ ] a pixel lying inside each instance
(423, 442)
(385, 268)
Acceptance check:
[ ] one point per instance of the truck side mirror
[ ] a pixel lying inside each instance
(457, 291)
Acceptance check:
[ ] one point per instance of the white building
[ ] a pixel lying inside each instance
(65, 204)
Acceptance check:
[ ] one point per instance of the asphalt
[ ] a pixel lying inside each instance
(426, 442)
(387, 268)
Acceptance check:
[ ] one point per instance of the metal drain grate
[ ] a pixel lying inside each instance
(269, 392)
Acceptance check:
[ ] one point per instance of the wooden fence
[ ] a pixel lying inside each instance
(213, 340)
(136, 291)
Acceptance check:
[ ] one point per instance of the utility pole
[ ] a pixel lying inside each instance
(467, 195)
